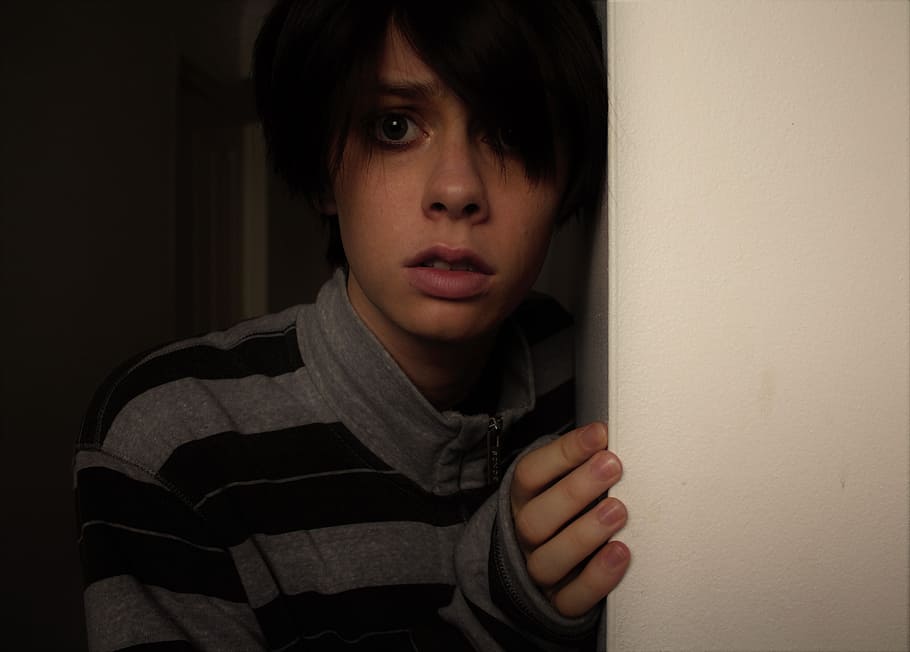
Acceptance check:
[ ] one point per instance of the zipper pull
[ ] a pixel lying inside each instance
(494, 442)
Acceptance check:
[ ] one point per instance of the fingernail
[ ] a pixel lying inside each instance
(616, 555)
(606, 467)
(610, 512)
(593, 438)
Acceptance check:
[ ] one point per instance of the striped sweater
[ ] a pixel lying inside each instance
(283, 486)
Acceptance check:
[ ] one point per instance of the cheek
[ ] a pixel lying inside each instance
(536, 235)
(375, 201)
(359, 211)
(528, 246)
(537, 253)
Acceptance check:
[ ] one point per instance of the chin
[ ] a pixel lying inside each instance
(453, 324)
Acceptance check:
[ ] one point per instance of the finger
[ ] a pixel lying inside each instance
(600, 576)
(553, 561)
(545, 514)
(539, 468)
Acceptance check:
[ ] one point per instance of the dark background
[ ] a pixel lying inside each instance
(122, 163)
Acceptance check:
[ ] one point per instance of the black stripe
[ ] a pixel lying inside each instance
(162, 646)
(91, 435)
(106, 495)
(324, 501)
(378, 642)
(202, 466)
(292, 349)
(356, 613)
(551, 413)
(330, 642)
(540, 317)
(109, 551)
(472, 499)
(268, 355)
(509, 639)
(439, 636)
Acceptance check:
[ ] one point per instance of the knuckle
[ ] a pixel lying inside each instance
(562, 604)
(580, 539)
(557, 602)
(566, 449)
(572, 491)
(598, 579)
(538, 570)
(590, 583)
(522, 479)
(525, 530)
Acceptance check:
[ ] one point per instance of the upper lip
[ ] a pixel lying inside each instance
(451, 255)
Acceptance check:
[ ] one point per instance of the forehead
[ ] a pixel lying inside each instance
(400, 68)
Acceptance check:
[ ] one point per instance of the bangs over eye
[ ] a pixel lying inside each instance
(485, 56)
(531, 71)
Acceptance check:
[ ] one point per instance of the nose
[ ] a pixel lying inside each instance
(455, 186)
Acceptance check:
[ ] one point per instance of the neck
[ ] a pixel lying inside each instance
(444, 372)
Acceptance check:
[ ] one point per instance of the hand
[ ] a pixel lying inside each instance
(551, 488)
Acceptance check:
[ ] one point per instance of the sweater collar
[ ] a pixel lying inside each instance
(364, 386)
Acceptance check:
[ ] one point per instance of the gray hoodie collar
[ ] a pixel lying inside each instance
(361, 382)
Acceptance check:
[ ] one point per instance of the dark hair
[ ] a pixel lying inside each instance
(531, 68)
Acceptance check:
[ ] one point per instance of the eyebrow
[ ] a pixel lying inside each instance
(411, 90)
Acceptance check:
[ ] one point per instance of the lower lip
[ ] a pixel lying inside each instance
(448, 284)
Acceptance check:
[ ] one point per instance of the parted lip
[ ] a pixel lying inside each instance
(451, 255)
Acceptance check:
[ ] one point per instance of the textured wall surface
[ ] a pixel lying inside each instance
(757, 300)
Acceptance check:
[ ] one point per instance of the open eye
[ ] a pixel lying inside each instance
(395, 129)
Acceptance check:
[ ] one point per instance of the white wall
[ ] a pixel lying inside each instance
(757, 301)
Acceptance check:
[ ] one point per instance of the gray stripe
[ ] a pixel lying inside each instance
(336, 559)
(121, 612)
(267, 326)
(151, 426)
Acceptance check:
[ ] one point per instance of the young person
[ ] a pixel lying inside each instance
(394, 466)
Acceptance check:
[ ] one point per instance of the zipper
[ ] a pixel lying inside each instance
(546, 629)
(494, 448)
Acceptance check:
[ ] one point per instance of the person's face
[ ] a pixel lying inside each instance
(443, 237)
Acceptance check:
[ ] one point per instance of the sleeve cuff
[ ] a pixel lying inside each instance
(511, 586)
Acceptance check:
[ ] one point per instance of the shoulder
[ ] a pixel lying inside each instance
(181, 391)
